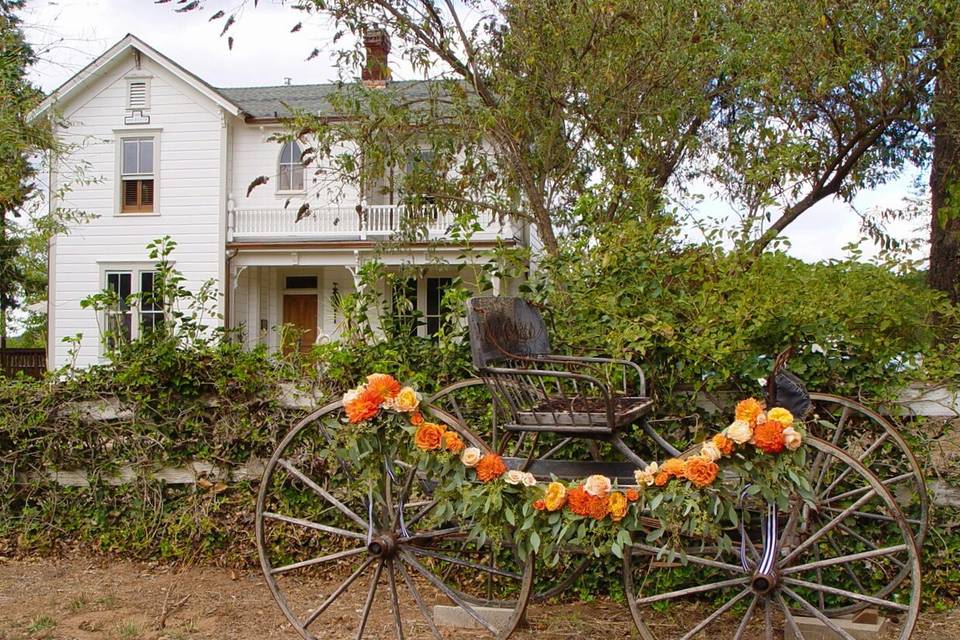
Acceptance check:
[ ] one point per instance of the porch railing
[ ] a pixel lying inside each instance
(32, 362)
(352, 223)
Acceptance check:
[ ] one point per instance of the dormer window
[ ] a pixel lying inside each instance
(291, 167)
(138, 94)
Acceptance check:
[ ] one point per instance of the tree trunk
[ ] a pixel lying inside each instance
(944, 271)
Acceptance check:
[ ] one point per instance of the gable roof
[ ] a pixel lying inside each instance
(103, 63)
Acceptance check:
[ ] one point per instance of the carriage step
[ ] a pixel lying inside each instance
(449, 616)
(575, 469)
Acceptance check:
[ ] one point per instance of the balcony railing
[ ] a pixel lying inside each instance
(347, 223)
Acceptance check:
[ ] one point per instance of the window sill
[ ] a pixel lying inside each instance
(137, 214)
(302, 192)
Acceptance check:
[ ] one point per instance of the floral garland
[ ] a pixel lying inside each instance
(768, 432)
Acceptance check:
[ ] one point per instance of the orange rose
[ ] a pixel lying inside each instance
(429, 436)
(452, 442)
(769, 437)
(416, 419)
(661, 479)
(539, 505)
(490, 467)
(700, 471)
(673, 467)
(749, 410)
(617, 503)
(579, 501)
(632, 495)
(383, 386)
(362, 406)
(723, 443)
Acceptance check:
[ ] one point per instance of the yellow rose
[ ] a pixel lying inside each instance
(792, 439)
(406, 401)
(555, 496)
(617, 502)
(471, 456)
(598, 486)
(740, 431)
(711, 451)
(646, 476)
(514, 476)
(781, 415)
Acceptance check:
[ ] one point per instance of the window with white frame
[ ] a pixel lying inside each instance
(138, 309)
(137, 175)
(436, 310)
(291, 167)
(405, 304)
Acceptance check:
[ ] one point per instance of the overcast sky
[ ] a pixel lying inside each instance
(70, 33)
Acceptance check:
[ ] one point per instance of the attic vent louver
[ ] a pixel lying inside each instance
(137, 98)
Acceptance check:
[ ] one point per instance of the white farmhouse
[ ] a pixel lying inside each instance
(173, 155)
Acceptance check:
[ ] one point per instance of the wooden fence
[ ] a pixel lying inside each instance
(32, 362)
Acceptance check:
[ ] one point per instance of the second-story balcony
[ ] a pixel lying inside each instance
(374, 222)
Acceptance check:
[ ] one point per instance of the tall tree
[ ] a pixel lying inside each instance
(944, 273)
(19, 141)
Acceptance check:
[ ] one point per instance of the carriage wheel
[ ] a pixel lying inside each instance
(471, 403)
(828, 560)
(347, 553)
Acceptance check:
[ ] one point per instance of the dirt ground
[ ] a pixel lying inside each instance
(94, 599)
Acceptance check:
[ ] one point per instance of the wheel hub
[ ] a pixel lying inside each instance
(383, 545)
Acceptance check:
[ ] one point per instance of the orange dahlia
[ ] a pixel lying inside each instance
(363, 406)
(723, 443)
(383, 386)
(700, 471)
(769, 437)
(490, 467)
(673, 467)
(661, 479)
(429, 436)
(579, 501)
(599, 508)
(748, 410)
(452, 442)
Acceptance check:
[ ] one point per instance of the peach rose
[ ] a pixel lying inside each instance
(792, 439)
(710, 451)
(598, 486)
(429, 436)
(406, 401)
(646, 476)
(617, 503)
(781, 415)
(555, 496)
(739, 431)
(470, 456)
(529, 480)
(514, 477)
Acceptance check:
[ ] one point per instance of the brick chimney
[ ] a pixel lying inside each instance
(376, 71)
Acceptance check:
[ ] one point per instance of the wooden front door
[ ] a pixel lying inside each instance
(300, 310)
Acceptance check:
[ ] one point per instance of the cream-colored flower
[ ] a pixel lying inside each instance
(710, 451)
(761, 418)
(781, 415)
(792, 439)
(514, 476)
(471, 456)
(646, 476)
(739, 431)
(406, 401)
(529, 480)
(598, 486)
(351, 395)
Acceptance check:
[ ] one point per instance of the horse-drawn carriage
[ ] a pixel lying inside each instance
(335, 513)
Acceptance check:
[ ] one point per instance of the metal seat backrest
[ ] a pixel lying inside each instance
(502, 328)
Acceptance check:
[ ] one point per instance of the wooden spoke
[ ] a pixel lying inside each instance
(437, 533)
(733, 582)
(853, 557)
(327, 558)
(365, 615)
(315, 525)
(394, 601)
(860, 597)
(845, 565)
(742, 627)
(416, 597)
(790, 620)
(420, 514)
(863, 456)
(850, 532)
(320, 491)
(706, 622)
(447, 591)
(463, 563)
(339, 590)
(812, 539)
(768, 620)
(855, 492)
(707, 562)
(871, 516)
(833, 626)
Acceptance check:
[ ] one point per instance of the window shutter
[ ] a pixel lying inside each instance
(138, 95)
(130, 193)
(146, 192)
